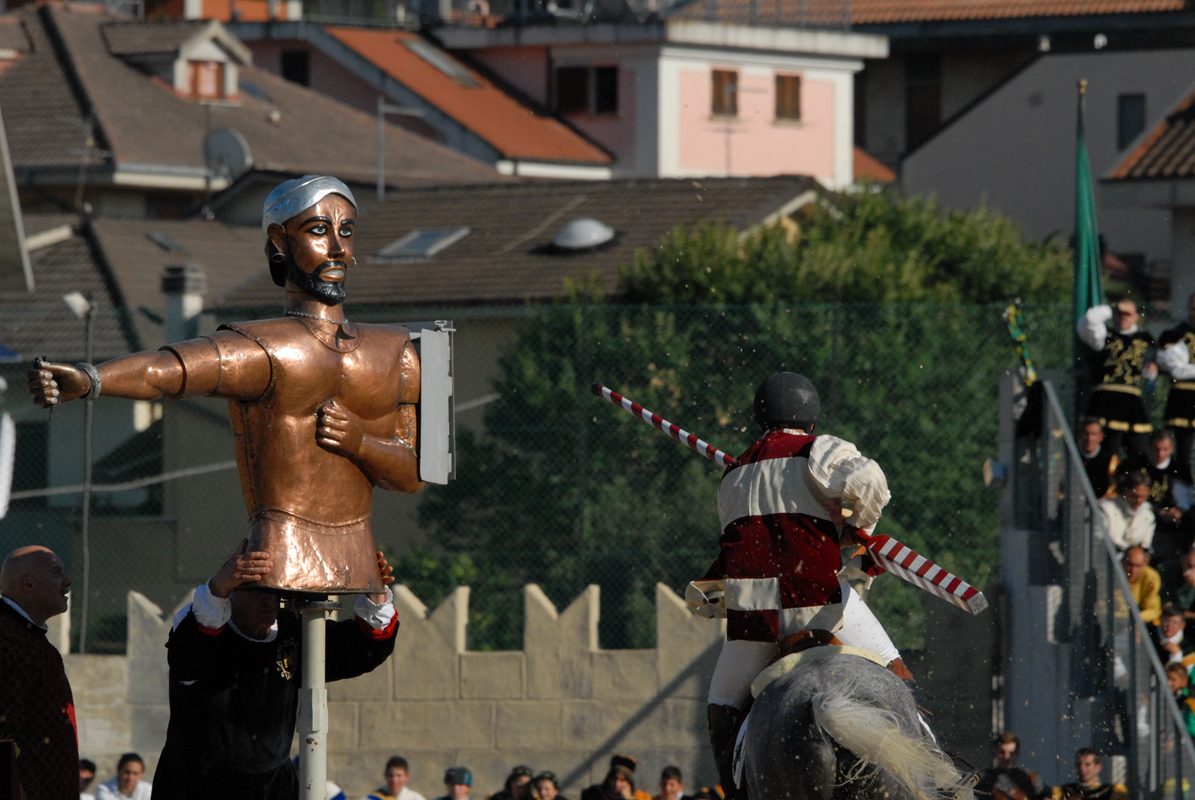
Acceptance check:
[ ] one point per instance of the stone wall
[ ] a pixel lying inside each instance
(561, 703)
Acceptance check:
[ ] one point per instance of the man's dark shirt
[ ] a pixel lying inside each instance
(1123, 359)
(234, 702)
(37, 709)
(1010, 784)
(1098, 468)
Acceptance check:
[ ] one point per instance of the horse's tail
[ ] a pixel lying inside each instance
(874, 735)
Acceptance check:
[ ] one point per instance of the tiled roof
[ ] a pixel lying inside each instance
(40, 324)
(507, 255)
(513, 129)
(144, 38)
(145, 124)
(1167, 152)
(12, 35)
(868, 166)
(879, 12)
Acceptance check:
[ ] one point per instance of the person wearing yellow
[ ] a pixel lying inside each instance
(1145, 583)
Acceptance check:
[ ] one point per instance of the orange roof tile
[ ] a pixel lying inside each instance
(880, 12)
(512, 128)
(870, 167)
(865, 12)
(1168, 151)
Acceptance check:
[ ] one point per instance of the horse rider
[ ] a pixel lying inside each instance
(777, 573)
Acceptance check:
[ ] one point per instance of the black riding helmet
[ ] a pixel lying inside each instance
(786, 399)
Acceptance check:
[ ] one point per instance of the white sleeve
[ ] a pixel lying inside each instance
(1114, 523)
(211, 612)
(842, 472)
(1176, 360)
(376, 615)
(1092, 329)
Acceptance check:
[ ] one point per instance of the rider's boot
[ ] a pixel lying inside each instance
(724, 724)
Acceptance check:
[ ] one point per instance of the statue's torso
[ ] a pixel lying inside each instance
(369, 372)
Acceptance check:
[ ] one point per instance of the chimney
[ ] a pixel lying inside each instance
(183, 287)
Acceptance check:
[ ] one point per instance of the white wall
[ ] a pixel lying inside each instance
(1016, 149)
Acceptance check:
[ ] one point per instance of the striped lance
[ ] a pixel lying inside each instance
(884, 550)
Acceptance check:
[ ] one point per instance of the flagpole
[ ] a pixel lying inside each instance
(1088, 290)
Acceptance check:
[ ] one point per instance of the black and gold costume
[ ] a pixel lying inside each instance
(1100, 469)
(1180, 405)
(1091, 791)
(1117, 382)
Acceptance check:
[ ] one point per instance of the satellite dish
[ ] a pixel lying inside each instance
(226, 154)
(582, 234)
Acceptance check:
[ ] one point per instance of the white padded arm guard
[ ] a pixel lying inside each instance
(843, 473)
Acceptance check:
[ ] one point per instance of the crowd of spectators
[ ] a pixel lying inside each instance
(1004, 780)
(523, 783)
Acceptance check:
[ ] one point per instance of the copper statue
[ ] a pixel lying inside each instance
(322, 409)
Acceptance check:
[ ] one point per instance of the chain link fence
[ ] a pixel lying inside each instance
(557, 487)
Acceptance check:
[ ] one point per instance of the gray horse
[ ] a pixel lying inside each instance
(842, 728)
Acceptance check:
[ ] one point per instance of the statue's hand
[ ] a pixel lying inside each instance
(338, 430)
(51, 384)
(385, 569)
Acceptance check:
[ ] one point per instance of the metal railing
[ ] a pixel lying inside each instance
(1117, 681)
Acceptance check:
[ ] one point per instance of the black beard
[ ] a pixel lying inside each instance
(327, 292)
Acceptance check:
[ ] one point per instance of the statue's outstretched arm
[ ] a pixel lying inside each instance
(224, 364)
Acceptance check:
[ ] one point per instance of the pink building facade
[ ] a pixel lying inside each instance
(692, 99)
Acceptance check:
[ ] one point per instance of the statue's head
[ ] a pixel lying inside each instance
(308, 223)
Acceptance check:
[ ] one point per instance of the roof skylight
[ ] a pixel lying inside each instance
(442, 61)
(422, 244)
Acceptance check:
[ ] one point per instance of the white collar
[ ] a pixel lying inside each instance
(1129, 331)
(271, 636)
(21, 611)
(1164, 464)
(1129, 510)
(1094, 454)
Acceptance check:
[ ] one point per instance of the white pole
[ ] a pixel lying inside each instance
(313, 705)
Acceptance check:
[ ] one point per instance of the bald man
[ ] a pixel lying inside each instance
(36, 706)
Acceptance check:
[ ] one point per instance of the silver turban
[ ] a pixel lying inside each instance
(293, 196)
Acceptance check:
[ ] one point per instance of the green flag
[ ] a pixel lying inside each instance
(1088, 290)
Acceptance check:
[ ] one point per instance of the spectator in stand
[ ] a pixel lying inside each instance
(1145, 583)
(1099, 462)
(37, 710)
(1128, 516)
(86, 776)
(1088, 787)
(127, 785)
(1180, 589)
(1171, 645)
(1169, 493)
(546, 786)
(1004, 780)
(619, 783)
(517, 786)
(458, 783)
(672, 785)
(398, 774)
(1179, 680)
(1123, 364)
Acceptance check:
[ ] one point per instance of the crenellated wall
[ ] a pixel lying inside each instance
(561, 703)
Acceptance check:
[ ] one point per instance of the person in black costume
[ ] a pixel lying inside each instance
(235, 672)
(1176, 355)
(1099, 461)
(1088, 787)
(1123, 364)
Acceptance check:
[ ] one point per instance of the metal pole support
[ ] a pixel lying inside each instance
(313, 701)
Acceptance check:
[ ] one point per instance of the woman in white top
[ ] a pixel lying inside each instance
(1128, 516)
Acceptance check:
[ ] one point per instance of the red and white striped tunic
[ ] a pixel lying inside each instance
(779, 560)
